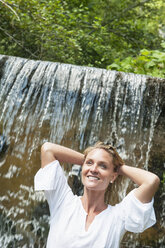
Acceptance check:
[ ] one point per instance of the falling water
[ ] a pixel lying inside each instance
(74, 106)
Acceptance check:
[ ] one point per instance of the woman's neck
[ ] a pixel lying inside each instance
(93, 201)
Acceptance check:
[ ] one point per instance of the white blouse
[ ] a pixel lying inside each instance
(68, 217)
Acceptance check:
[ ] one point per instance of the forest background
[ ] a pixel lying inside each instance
(123, 35)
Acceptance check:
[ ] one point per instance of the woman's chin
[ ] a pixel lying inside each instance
(94, 187)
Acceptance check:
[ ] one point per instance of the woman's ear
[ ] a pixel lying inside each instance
(113, 177)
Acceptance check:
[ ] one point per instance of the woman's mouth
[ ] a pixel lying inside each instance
(93, 178)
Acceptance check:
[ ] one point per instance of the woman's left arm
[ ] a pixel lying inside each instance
(148, 182)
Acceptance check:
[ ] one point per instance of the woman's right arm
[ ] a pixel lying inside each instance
(51, 152)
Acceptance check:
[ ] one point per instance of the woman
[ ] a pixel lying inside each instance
(87, 221)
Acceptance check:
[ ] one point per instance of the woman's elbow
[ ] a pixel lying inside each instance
(46, 147)
(47, 154)
(156, 181)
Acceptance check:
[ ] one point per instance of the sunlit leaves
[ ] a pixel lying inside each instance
(88, 32)
(149, 62)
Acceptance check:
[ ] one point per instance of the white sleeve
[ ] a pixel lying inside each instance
(52, 180)
(137, 216)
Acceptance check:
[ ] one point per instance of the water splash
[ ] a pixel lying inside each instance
(75, 106)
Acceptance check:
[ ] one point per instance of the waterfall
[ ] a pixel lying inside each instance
(74, 106)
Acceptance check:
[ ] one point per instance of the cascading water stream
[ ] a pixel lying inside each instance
(74, 106)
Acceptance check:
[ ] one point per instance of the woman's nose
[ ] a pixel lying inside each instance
(94, 168)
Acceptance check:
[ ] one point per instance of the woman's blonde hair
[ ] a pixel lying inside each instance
(117, 160)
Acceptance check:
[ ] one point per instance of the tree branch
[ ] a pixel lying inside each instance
(8, 6)
(126, 10)
(18, 43)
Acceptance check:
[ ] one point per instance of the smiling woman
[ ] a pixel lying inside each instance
(98, 170)
(81, 220)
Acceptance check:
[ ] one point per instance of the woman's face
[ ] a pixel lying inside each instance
(98, 170)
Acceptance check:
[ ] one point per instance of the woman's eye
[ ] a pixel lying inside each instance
(89, 162)
(103, 166)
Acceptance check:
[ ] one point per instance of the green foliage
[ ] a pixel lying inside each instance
(149, 62)
(91, 33)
